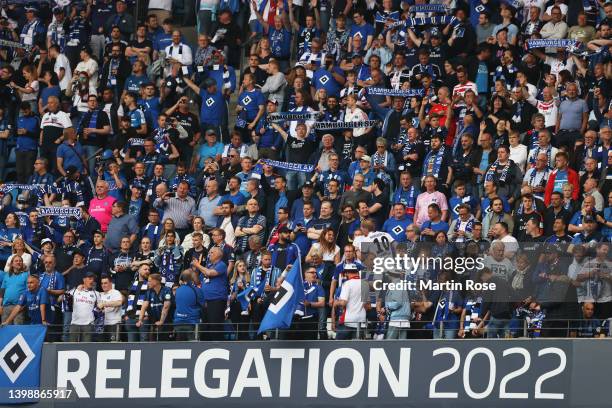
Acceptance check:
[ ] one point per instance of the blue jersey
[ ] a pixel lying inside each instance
(133, 82)
(156, 302)
(456, 201)
(29, 140)
(362, 31)
(251, 101)
(397, 228)
(216, 288)
(32, 302)
(214, 107)
(151, 108)
(137, 118)
(162, 40)
(323, 79)
(189, 300)
(280, 43)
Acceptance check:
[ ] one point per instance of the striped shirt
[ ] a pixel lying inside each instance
(248, 222)
(178, 209)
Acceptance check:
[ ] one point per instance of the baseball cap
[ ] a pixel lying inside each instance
(272, 100)
(22, 197)
(90, 275)
(356, 54)
(78, 252)
(58, 10)
(308, 184)
(283, 229)
(367, 158)
(46, 241)
(211, 132)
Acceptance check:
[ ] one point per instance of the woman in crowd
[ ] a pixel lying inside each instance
(8, 233)
(29, 92)
(239, 302)
(198, 225)
(168, 226)
(144, 256)
(22, 250)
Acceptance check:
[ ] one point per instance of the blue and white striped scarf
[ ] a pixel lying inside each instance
(406, 93)
(306, 168)
(552, 42)
(288, 116)
(345, 125)
(132, 295)
(428, 8)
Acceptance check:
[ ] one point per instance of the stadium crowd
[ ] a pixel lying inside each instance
(154, 188)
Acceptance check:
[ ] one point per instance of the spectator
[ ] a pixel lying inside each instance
(110, 303)
(189, 304)
(121, 225)
(84, 303)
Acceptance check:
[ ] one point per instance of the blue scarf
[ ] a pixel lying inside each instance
(306, 168)
(406, 93)
(533, 175)
(490, 176)
(398, 197)
(537, 152)
(167, 268)
(411, 22)
(552, 42)
(432, 165)
(428, 8)
(114, 65)
(259, 282)
(132, 295)
(468, 227)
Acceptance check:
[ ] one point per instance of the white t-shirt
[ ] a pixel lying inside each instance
(518, 155)
(26, 97)
(83, 305)
(91, 67)
(510, 243)
(112, 315)
(354, 311)
(326, 256)
(58, 119)
(62, 62)
(378, 241)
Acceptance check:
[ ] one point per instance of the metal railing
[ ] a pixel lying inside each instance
(313, 330)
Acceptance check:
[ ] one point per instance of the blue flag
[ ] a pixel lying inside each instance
(20, 355)
(286, 300)
(245, 297)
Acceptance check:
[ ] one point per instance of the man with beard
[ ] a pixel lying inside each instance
(438, 163)
(465, 160)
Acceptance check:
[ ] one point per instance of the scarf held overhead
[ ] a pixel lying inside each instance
(59, 211)
(306, 168)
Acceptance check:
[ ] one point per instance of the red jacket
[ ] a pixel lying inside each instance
(572, 178)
